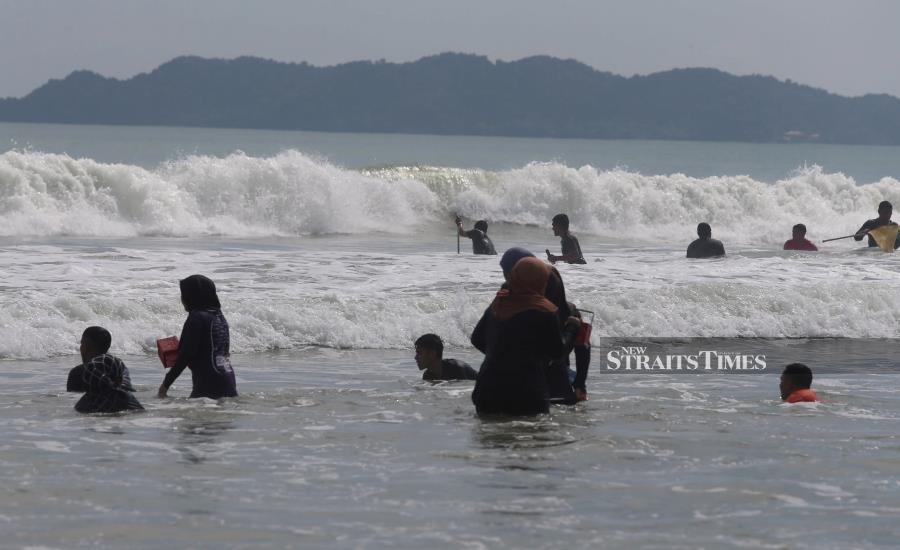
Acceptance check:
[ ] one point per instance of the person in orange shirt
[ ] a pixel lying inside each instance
(795, 382)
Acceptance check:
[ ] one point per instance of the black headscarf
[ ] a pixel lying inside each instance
(199, 292)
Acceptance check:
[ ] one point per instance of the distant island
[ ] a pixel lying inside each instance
(464, 94)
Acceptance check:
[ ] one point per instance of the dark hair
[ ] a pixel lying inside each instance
(704, 230)
(432, 342)
(885, 204)
(481, 225)
(199, 292)
(99, 338)
(800, 374)
(561, 220)
(801, 228)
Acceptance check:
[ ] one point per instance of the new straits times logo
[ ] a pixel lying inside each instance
(637, 358)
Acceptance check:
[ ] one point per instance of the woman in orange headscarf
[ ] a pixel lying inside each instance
(519, 334)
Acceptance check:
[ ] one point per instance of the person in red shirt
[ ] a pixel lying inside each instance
(795, 382)
(799, 241)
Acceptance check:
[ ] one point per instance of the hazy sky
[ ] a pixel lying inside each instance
(849, 47)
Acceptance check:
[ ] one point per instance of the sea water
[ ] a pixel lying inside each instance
(333, 253)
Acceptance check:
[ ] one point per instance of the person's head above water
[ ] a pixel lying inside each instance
(94, 341)
(529, 276)
(799, 231)
(429, 351)
(527, 284)
(510, 257)
(481, 225)
(199, 292)
(704, 231)
(885, 210)
(795, 376)
(560, 224)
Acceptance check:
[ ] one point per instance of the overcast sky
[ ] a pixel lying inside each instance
(849, 47)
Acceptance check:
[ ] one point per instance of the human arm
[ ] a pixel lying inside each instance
(571, 255)
(172, 375)
(582, 363)
(570, 258)
(74, 382)
(861, 232)
(571, 250)
(187, 349)
(459, 229)
(570, 334)
(463, 370)
(557, 339)
(126, 379)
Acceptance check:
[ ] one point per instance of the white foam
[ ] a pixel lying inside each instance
(52, 446)
(383, 290)
(293, 297)
(294, 194)
(289, 194)
(619, 204)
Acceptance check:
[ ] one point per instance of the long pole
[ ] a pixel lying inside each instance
(839, 238)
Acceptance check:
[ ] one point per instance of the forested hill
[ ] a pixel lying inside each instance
(464, 94)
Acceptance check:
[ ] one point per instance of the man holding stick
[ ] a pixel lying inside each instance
(481, 243)
(882, 232)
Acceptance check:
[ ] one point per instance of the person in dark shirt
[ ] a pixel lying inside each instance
(204, 346)
(799, 241)
(520, 334)
(571, 250)
(562, 387)
(885, 210)
(430, 359)
(103, 377)
(705, 246)
(481, 243)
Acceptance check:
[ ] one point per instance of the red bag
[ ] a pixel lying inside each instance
(167, 349)
(584, 333)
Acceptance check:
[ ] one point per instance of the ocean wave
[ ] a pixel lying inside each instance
(623, 205)
(289, 194)
(293, 299)
(294, 194)
(51, 326)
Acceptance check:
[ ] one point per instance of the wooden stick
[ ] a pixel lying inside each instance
(839, 238)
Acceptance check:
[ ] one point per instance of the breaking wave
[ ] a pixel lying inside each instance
(295, 194)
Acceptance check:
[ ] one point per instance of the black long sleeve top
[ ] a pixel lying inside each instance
(204, 347)
(518, 351)
(106, 383)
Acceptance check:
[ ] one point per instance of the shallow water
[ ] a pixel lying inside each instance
(327, 275)
(350, 449)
